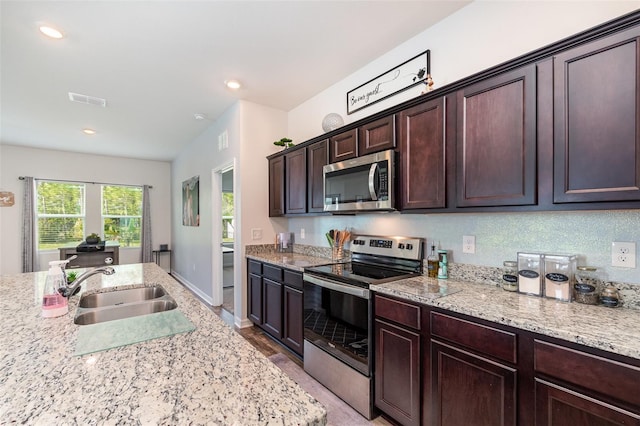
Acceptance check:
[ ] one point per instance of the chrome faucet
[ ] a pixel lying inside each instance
(69, 291)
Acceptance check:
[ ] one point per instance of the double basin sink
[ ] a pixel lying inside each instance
(119, 304)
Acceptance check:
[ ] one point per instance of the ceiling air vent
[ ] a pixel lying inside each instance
(86, 99)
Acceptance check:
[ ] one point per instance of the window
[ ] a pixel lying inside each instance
(122, 214)
(227, 217)
(60, 213)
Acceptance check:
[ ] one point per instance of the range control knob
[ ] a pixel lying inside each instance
(400, 246)
(409, 246)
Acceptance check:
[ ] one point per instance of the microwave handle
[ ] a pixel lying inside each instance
(372, 184)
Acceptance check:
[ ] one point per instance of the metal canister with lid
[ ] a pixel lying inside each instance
(587, 287)
(510, 275)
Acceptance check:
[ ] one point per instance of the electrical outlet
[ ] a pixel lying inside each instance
(302, 234)
(256, 233)
(623, 254)
(468, 244)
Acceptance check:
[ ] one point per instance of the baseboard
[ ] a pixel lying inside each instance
(182, 280)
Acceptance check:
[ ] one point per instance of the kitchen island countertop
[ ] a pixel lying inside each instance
(208, 376)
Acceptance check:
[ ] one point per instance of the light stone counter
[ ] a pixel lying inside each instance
(295, 261)
(615, 330)
(208, 376)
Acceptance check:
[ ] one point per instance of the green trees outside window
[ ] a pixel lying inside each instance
(122, 214)
(60, 213)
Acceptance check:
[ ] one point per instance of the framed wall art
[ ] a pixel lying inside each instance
(191, 202)
(408, 74)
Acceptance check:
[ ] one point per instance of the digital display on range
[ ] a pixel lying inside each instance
(381, 243)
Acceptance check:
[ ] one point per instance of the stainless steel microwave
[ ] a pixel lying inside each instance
(360, 184)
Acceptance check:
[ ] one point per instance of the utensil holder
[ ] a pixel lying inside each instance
(337, 253)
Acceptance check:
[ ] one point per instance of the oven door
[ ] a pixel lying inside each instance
(337, 319)
(363, 183)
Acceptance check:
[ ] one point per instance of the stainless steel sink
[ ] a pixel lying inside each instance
(94, 316)
(120, 297)
(119, 304)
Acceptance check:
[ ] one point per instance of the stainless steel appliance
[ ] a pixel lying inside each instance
(338, 314)
(361, 184)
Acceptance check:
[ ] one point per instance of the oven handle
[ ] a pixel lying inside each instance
(363, 293)
(372, 183)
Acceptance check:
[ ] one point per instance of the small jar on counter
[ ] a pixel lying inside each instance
(510, 275)
(588, 286)
(558, 276)
(529, 273)
(610, 297)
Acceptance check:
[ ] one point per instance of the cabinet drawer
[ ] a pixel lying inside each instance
(293, 279)
(599, 374)
(255, 267)
(397, 311)
(272, 272)
(490, 341)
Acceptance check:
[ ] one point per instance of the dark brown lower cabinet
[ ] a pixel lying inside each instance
(397, 372)
(557, 405)
(292, 333)
(272, 307)
(470, 390)
(275, 302)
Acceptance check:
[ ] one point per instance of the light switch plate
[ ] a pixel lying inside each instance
(623, 254)
(256, 233)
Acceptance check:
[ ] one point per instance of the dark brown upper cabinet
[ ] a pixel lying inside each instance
(596, 117)
(343, 146)
(377, 136)
(496, 141)
(296, 181)
(276, 186)
(422, 156)
(317, 158)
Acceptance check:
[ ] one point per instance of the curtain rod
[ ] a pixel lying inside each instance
(83, 181)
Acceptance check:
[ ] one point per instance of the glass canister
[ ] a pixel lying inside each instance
(510, 275)
(559, 270)
(529, 273)
(587, 286)
(610, 297)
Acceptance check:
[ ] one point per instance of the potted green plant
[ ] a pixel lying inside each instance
(71, 276)
(284, 142)
(93, 238)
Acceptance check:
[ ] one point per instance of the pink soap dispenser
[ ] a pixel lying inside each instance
(54, 304)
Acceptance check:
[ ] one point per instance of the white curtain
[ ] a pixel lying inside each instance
(29, 240)
(147, 255)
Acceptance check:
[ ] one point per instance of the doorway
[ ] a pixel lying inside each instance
(228, 235)
(224, 237)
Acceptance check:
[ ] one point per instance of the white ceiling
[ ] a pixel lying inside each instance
(159, 62)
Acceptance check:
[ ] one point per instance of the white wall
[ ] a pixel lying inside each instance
(47, 164)
(477, 37)
(251, 130)
(482, 34)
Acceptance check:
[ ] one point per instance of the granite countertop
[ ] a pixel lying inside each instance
(295, 261)
(614, 330)
(208, 376)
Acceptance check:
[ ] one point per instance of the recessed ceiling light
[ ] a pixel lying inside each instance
(50, 32)
(88, 131)
(232, 84)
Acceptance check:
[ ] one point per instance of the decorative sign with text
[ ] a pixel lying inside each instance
(406, 75)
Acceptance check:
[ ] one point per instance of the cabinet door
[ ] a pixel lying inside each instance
(317, 158)
(276, 186)
(422, 156)
(296, 181)
(471, 390)
(556, 405)
(292, 333)
(343, 146)
(596, 118)
(377, 136)
(272, 307)
(255, 299)
(496, 141)
(397, 372)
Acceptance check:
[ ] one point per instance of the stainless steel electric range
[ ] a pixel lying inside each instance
(338, 313)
